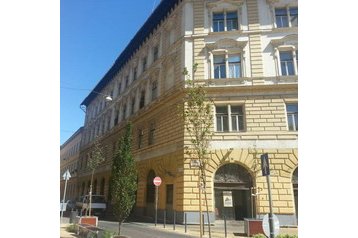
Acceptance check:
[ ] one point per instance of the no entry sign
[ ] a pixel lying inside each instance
(157, 181)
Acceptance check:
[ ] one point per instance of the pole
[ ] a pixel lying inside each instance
(165, 218)
(174, 217)
(156, 204)
(272, 235)
(63, 199)
(185, 222)
(200, 210)
(225, 226)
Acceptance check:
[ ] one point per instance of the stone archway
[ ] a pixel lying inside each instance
(295, 189)
(232, 183)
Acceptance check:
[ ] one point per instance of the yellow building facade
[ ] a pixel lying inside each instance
(247, 52)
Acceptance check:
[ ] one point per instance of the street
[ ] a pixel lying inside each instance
(140, 230)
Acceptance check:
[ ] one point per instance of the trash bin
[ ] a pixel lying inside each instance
(73, 215)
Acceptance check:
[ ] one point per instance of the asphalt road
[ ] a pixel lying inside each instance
(140, 230)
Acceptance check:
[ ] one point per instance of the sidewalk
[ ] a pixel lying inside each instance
(63, 233)
(235, 229)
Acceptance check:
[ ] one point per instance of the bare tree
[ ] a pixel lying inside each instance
(198, 122)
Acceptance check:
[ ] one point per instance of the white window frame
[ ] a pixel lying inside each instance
(293, 50)
(292, 115)
(227, 53)
(229, 114)
(274, 5)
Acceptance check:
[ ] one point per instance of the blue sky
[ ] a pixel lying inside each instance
(93, 34)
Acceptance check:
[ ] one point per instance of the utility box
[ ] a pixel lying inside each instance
(253, 226)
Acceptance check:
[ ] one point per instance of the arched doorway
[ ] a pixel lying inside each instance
(295, 189)
(150, 194)
(232, 184)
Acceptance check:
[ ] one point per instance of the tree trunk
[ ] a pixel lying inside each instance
(119, 227)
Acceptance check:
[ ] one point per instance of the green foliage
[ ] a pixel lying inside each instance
(108, 234)
(286, 236)
(97, 156)
(71, 228)
(259, 236)
(124, 178)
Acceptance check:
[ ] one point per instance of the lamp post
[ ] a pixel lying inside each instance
(107, 98)
(66, 176)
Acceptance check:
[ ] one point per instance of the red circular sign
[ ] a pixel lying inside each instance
(157, 181)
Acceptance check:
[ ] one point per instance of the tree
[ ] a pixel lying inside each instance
(198, 122)
(124, 178)
(95, 160)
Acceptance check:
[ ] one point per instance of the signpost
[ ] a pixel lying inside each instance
(66, 176)
(266, 225)
(157, 181)
(265, 167)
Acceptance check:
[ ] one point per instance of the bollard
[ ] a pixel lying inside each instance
(174, 220)
(225, 226)
(165, 217)
(185, 222)
(203, 224)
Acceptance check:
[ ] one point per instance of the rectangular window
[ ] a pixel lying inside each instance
(292, 116)
(151, 135)
(293, 16)
(219, 66)
(286, 17)
(142, 99)
(234, 66)
(218, 22)
(124, 112)
(116, 117)
(155, 53)
(231, 21)
(133, 105)
(281, 17)
(170, 192)
(144, 64)
(140, 138)
(135, 74)
(154, 90)
(237, 118)
(235, 114)
(127, 81)
(222, 123)
(119, 88)
(286, 61)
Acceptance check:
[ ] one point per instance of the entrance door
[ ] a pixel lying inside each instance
(295, 189)
(232, 185)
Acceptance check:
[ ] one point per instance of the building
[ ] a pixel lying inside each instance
(247, 50)
(69, 154)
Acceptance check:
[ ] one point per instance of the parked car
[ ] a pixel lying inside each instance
(98, 205)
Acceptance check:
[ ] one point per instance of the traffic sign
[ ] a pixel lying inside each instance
(266, 225)
(66, 175)
(157, 181)
(265, 166)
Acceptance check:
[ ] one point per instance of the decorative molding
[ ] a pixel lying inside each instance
(217, 4)
(226, 44)
(287, 40)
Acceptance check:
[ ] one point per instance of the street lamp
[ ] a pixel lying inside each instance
(107, 98)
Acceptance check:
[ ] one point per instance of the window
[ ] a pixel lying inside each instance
(225, 21)
(119, 88)
(127, 81)
(235, 113)
(286, 62)
(133, 105)
(151, 133)
(142, 99)
(155, 53)
(219, 66)
(154, 90)
(286, 17)
(144, 64)
(135, 73)
(124, 112)
(140, 138)
(292, 116)
(227, 65)
(116, 118)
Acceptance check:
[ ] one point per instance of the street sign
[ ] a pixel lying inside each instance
(266, 225)
(265, 166)
(157, 181)
(66, 175)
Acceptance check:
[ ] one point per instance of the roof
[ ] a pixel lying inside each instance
(159, 14)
